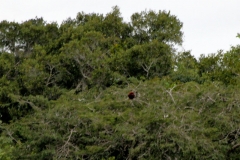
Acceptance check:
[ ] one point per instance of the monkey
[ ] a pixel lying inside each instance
(131, 95)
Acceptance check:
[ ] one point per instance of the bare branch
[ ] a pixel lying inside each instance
(147, 68)
(10, 135)
(51, 74)
(64, 150)
(170, 93)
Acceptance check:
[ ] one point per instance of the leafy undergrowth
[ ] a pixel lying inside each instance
(166, 120)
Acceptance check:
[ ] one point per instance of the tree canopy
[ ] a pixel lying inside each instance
(64, 87)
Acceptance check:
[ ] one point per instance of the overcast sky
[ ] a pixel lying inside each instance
(208, 25)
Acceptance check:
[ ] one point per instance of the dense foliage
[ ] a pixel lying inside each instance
(63, 91)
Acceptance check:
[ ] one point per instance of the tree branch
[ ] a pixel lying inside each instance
(170, 93)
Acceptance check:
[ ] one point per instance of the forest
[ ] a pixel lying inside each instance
(64, 91)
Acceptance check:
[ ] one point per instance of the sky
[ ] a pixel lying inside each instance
(208, 25)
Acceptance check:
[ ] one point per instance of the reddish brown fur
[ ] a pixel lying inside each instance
(131, 95)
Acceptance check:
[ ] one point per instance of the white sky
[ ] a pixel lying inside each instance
(208, 25)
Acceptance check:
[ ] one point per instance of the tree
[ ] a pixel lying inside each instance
(161, 26)
(154, 35)
(153, 59)
(209, 66)
(86, 57)
(32, 33)
(185, 68)
(10, 37)
(230, 66)
(51, 38)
